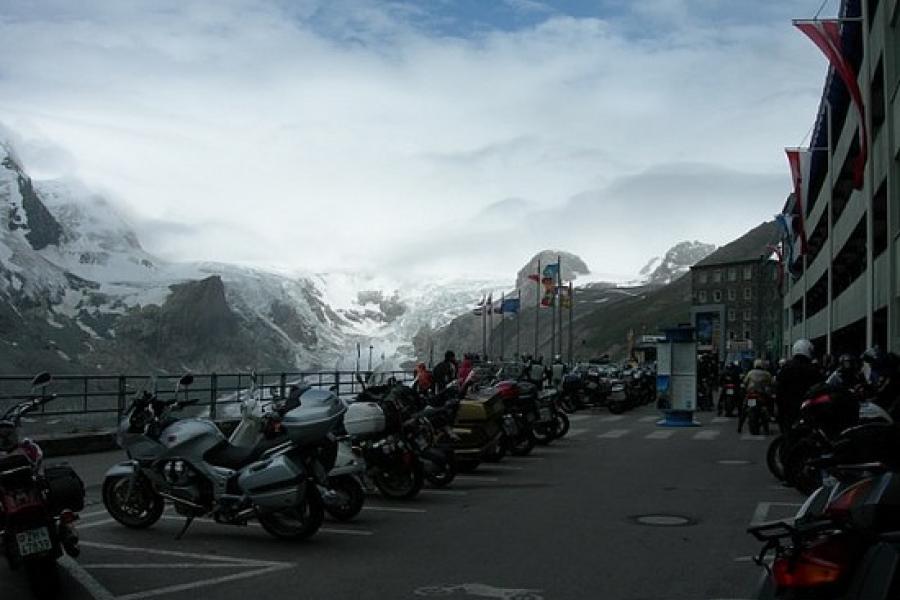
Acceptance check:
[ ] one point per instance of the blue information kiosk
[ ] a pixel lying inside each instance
(676, 377)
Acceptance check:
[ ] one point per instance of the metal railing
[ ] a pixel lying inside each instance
(98, 401)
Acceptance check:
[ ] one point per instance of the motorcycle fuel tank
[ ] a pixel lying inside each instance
(199, 434)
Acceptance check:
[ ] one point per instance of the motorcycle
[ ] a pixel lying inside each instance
(380, 424)
(522, 414)
(38, 507)
(730, 398)
(343, 494)
(190, 463)
(757, 408)
(842, 544)
(552, 422)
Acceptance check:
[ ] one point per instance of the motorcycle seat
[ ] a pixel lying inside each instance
(237, 457)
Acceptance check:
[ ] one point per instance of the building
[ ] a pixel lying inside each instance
(735, 299)
(846, 295)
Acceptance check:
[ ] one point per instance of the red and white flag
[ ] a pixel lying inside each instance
(826, 34)
(798, 158)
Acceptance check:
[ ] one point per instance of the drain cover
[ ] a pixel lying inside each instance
(733, 462)
(663, 520)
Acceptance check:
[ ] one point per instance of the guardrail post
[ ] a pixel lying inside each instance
(337, 383)
(213, 394)
(120, 399)
(283, 384)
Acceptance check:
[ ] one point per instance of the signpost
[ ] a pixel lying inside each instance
(676, 377)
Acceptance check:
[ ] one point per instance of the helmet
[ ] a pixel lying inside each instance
(847, 363)
(802, 347)
(759, 364)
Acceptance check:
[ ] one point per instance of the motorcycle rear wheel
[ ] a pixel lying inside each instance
(299, 522)
(753, 422)
(522, 445)
(774, 457)
(352, 495)
(562, 425)
(145, 506)
(441, 476)
(43, 577)
(400, 485)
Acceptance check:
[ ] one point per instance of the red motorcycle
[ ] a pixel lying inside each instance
(37, 506)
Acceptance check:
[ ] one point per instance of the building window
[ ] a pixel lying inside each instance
(717, 276)
(731, 294)
(748, 314)
(717, 295)
(748, 293)
(748, 273)
(746, 334)
(732, 314)
(702, 277)
(732, 274)
(701, 296)
(730, 334)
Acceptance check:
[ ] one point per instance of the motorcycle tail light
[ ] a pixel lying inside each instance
(67, 517)
(822, 563)
(841, 505)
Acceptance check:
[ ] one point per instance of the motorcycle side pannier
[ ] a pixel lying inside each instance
(65, 490)
(364, 419)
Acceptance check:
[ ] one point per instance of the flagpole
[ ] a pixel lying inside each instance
(537, 311)
(491, 325)
(518, 314)
(483, 329)
(502, 320)
(559, 302)
(571, 308)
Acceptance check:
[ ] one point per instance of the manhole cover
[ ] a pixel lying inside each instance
(663, 520)
(733, 462)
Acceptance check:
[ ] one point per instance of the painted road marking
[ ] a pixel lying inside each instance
(575, 432)
(754, 438)
(721, 419)
(395, 509)
(85, 579)
(579, 417)
(612, 418)
(475, 478)
(614, 434)
(95, 513)
(99, 523)
(660, 435)
(707, 434)
(445, 492)
(649, 419)
(500, 468)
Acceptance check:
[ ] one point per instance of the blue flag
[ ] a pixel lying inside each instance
(551, 270)
(510, 305)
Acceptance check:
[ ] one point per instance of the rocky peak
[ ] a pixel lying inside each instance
(25, 210)
(676, 262)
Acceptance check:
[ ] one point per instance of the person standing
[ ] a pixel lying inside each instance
(445, 371)
(794, 379)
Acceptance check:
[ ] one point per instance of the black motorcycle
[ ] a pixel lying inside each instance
(38, 507)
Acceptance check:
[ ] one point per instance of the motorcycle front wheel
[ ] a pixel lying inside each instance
(400, 482)
(523, 444)
(351, 494)
(562, 425)
(140, 510)
(299, 522)
(774, 457)
(442, 475)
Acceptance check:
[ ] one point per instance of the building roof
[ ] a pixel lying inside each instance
(748, 247)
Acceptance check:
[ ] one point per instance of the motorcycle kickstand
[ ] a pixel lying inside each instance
(187, 523)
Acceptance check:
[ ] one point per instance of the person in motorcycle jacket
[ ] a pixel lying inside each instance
(423, 382)
(847, 375)
(796, 376)
(882, 373)
(557, 371)
(759, 380)
(730, 375)
(445, 371)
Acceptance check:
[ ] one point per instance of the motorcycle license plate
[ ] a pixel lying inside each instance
(751, 402)
(546, 415)
(729, 392)
(34, 541)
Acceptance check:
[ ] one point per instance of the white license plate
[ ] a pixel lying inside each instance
(729, 392)
(34, 541)
(751, 402)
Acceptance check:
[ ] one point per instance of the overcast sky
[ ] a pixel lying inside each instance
(431, 137)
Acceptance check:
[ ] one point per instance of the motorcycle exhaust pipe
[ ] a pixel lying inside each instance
(178, 500)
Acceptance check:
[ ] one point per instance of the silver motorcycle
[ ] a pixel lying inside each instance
(190, 463)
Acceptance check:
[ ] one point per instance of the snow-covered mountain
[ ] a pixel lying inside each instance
(677, 261)
(78, 292)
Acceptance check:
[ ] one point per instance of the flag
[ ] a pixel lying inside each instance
(826, 34)
(535, 277)
(565, 295)
(776, 250)
(551, 270)
(798, 158)
(510, 305)
(785, 223)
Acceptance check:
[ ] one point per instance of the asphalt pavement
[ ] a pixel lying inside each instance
(620, 509)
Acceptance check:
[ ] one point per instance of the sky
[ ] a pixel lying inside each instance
(427, 138)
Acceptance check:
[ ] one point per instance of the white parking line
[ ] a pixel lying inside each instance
(321, 529)
(706, 434)
(395, 509)
(475, 478)
(445, 492)
(649, 419)
(663, 434)
(99, 523)
(612, 418)
(95, 513)
(574, 418)
(183, 587)
(85, 579)
(721, 419)
(614, 434)
(754, 438)
(576, 431)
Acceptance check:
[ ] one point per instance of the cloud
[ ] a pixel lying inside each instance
(355, 134)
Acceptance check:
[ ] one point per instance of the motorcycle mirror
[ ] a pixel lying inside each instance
(186, 380)
(41, 379)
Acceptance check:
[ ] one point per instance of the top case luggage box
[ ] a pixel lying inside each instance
(319, 412)
(364, 420)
